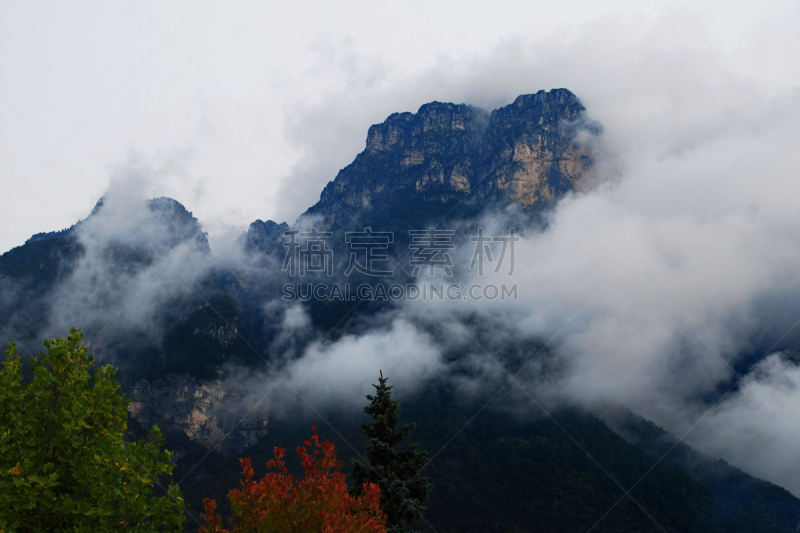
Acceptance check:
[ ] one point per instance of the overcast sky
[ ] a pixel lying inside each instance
(216, 104)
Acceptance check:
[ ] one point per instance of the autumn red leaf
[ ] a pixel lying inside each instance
(280, 503)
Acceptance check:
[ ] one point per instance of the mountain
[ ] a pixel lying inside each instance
(192, 334)
(526, 152)
(265, 237)
(32, 274)
(456, 161)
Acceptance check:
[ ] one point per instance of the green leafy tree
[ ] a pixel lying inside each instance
(64, 462)
(403, 490)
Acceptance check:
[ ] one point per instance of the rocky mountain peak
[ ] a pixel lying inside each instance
(526, 152)
(541, 110)
(400, 130)
(161, 222)
(266, 237)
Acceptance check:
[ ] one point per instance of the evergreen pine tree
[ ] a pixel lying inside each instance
(403, 491)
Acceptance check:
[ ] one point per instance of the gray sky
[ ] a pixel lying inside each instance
(218, 115)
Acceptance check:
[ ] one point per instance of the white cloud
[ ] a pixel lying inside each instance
(340, 373)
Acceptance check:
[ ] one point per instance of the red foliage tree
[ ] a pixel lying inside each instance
(279, 503)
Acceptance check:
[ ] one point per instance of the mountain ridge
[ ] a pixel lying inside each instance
(525, 152)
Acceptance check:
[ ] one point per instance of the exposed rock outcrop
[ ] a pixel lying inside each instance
(527, 152)
(209, 412)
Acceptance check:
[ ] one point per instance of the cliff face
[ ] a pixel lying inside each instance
(526, 152)
(204, 410)
(532, 151)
